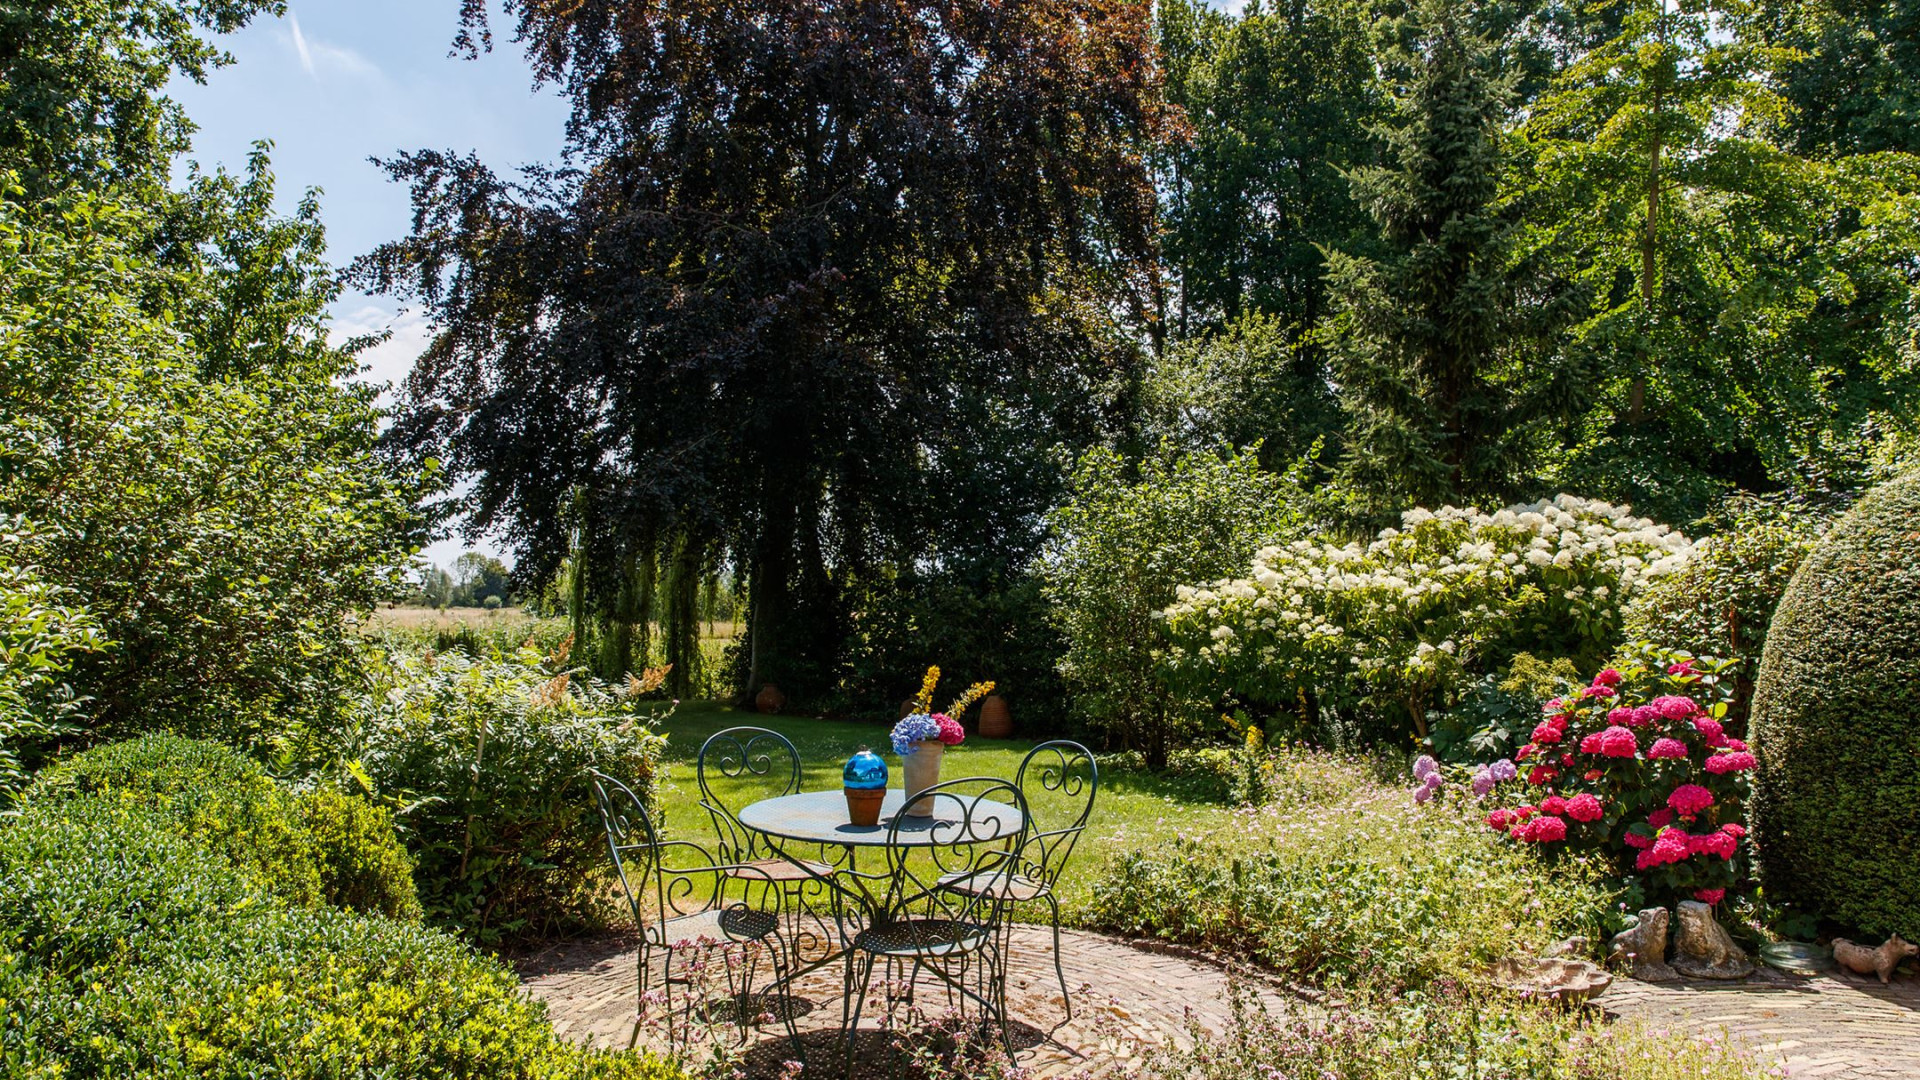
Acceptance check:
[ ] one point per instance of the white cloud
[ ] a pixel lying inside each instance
(317, 56)
(390, 361)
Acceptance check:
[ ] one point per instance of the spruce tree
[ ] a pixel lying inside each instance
(1437, 335)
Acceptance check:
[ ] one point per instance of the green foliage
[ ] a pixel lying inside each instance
(1721, 602)
(1124, 539)
(134, 952)
(1438, 343)
(1386, 631)
(1496, 712)
(222, 526)
(40, 631)
(1836, 800)
(1255, 385)
(81, 82)
(361, 864)
(1347, 883)
(1281, 98)
(1853, 76)
(320, 846)
(489, 758)
(1452, 1030)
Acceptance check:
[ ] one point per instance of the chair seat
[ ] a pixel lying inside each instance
(997, 884)
(779, 870)
(730, 924)
(922, 937)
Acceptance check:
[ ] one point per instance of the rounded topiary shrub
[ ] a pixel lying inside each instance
(1836, 723)
(362, 865)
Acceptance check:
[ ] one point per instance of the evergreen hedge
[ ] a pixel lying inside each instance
(1836, 723)
(133, 947)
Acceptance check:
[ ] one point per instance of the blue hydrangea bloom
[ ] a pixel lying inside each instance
(916, 728)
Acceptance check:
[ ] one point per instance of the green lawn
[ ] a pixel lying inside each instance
(1132, 808)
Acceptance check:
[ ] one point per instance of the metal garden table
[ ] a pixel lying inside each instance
(815, 818)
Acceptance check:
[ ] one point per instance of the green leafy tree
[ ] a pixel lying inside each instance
(81, 81)
(222, 530)
(1437, 342)
(1279, 100)
(1123, 540)
(41, 632)
(1751, 307)
(1253, 383)
(1849, 68)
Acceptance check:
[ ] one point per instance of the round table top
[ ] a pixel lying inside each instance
(821, 817)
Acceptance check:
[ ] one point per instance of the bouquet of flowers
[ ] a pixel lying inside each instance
(925, 725)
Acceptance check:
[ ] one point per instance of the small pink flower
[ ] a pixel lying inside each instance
(1681, 669)
(1552, 706)
(1594, 774)
(1736, 761)
(1709, 896)
(1734, 829)
(1689, 799)
(1523, 753)
(1667, 748)
(1584, 807)
(1618, 742)
(1609, 677)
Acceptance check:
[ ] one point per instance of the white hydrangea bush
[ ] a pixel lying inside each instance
(1387, 625)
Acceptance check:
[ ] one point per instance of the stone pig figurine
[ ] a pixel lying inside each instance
(1881, 961)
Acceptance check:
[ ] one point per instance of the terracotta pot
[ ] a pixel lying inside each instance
(996, 721)
(770, 700)
(923, 771)
(863, 805)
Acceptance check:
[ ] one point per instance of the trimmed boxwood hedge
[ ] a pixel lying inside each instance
(324, 846)
(130, 950)
(1836, 723)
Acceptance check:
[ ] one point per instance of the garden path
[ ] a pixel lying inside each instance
(1128, 997)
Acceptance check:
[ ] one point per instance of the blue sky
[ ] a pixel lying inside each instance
(338, 81)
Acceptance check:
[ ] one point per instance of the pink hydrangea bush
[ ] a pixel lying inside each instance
(1638, 766)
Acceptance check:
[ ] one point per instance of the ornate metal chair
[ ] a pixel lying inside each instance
(682, 911)
(762, 764)
(957, 936)
(1050, 772)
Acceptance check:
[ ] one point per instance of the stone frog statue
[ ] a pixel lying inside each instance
(1644, 944)
(1881, 961)
(1702, 948)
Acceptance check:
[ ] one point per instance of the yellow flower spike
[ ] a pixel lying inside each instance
(964, 701)
(924, 702)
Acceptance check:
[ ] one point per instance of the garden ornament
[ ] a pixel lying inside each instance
(1881, 961)
(1703, 949)
(1645, 945)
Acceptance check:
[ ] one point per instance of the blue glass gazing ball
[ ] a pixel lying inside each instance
(865, 771)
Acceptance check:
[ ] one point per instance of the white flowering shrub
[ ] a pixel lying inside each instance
(1391, 627)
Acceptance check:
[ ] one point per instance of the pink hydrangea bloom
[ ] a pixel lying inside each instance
(1645, 714)
(1546, 829)
(1708, 726)
(1523, 753)
(1660, 818)
(1584, 807)
(1667, 748)
(1635, 840)
(1542, 774)
(1709, 896)
(1735, 761)
(1681, 669)
(1621, 714)
(1553, 804)
(1499, 820)
(1736, 744)
(1597, 692)
(1609, 677)
(1552, 706)
(951, 732)
(1546, 733)
(1671, 846)
(1689, 799)
(1734, 829)
(1675, 707)
(1618, 742)
(1590, 743)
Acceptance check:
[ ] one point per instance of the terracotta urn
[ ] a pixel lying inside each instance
(996, 720)
(769, 700)
(923, 771)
